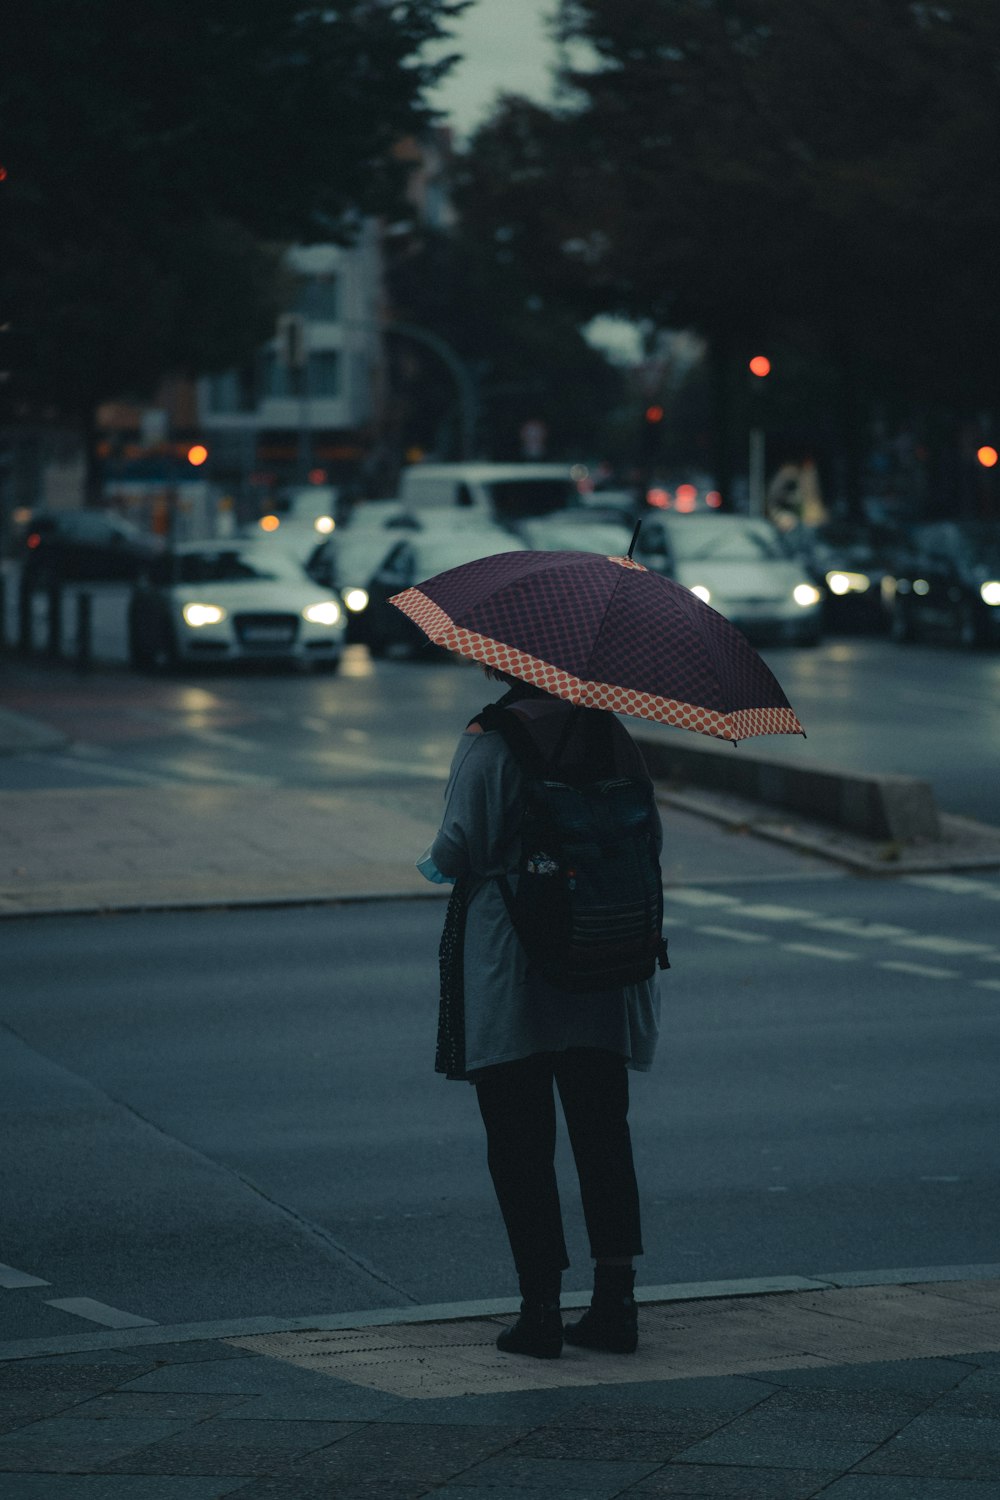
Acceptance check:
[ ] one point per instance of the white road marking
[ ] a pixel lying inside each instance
(941, 1177)
(924, 970)
(855, 927)
(692, 896)
(196, 773)
(100, 1312)
(987, 984)
(767, 913)
(87, 761)
(813, 950)
(10, 1279)
(946, 946)
(734, 933)
(956, 885)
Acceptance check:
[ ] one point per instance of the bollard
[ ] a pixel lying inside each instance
(25, 618)
(84, 631)
(55, 598)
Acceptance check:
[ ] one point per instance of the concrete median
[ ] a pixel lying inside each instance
(897, 808)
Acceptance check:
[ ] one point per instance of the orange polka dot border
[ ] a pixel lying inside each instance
(742, 724)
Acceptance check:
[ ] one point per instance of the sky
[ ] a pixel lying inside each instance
(506, 50)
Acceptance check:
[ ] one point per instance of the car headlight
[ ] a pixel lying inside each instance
(197, 615)
(989, 592)
(324, 525)
(701, 592)
(806, 594)
(840, 583)
(326, 612)
(356, 600)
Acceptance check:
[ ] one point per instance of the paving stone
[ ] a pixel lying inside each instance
(63, 1444)
(913, 1375)
(380, 1488)
(115, 1487)
(403, 1452)
(942, 1445)
(191, 1353)
(17, 1408)
(695, 1482)
(777, 1447)
(522, 1409)
(220, 1447)
(70, 1374)
(340, 1403)
(910, 1487)
(587, 1443)
(251, 1376)
(186, 1406)
(593, 1480)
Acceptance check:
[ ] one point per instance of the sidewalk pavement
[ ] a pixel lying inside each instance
(883, 1386)
(766, 1391)
(128, 848)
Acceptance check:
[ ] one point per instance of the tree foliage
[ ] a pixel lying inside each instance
(528, 357)
(154, 151)
(824, 171)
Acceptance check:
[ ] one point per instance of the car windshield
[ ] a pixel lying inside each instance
(517, 499)
(723, 540)
(222, 566)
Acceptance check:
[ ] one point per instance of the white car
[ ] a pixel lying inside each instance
(297, 521)
(742, 567)
(232, 601)
(415, 557)
(578, 529)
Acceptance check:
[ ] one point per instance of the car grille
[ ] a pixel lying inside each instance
(266, 632)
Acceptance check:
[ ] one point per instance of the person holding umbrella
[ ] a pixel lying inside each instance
(576, 637)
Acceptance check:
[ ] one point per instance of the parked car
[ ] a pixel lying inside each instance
(347, 560)
(584, 529)
(298, 519)
(850, 559)
(422, 554)
(946, 582)
(499, 493)
(232, 601)
(84, 546)
(740, 566)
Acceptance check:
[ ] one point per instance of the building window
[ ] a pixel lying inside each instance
(324, 373)
(317, 298)
(231, 391)
(275, 376)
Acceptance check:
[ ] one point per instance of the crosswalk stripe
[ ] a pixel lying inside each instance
(737, 935)
(813, 950)
(924, 970)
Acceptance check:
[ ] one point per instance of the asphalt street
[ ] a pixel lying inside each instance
(221, 1112)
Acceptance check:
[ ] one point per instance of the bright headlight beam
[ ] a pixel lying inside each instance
(841, 583)
(356, 600)
(701, 592)
(989, 592)
(805, 594)
(197, 615)
(326, 612)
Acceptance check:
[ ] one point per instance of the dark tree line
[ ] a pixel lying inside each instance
(156, 154)
(820, 176)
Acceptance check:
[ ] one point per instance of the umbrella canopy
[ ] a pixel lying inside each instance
(607, 633)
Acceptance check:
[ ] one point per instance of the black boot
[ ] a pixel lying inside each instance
(538, 1331)
(611, 1323)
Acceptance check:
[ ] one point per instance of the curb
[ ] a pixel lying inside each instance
(444, 1312)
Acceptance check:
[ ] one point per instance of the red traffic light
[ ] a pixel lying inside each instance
(760, 366)
(654, 413)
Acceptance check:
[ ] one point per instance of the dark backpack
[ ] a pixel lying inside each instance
(588, 905)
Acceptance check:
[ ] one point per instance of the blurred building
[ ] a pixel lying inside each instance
(304, 408)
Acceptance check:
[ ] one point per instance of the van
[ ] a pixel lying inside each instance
(501, 493)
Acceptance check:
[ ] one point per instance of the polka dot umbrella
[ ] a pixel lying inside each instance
(604, 632)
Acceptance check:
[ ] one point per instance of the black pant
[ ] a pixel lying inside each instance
(518, 1109)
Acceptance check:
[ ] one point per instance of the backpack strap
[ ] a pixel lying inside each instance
(516, 736)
